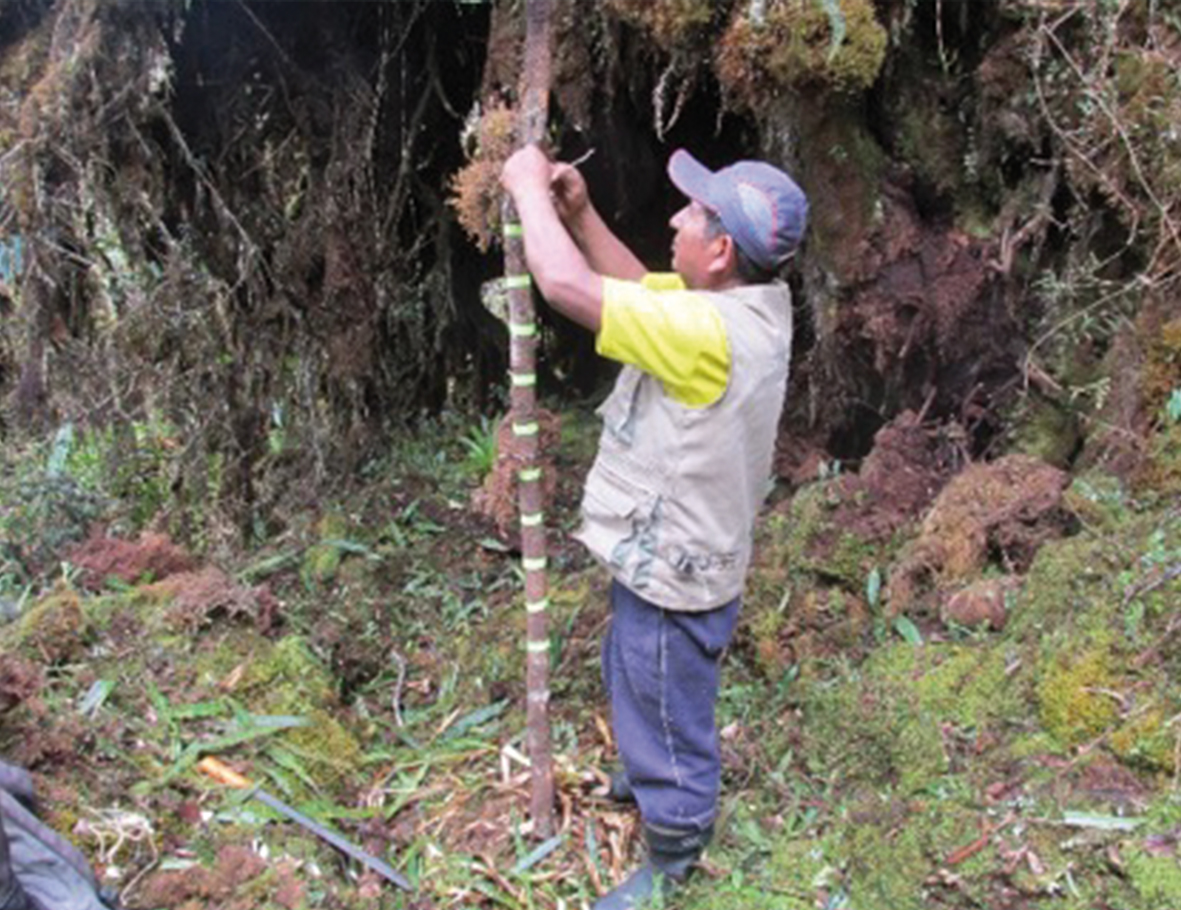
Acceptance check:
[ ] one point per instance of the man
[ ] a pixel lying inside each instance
(684, 459)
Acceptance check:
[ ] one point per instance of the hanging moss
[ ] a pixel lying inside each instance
(800, 45)
(672, 24)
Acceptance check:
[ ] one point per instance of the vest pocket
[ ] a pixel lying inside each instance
(620, 522)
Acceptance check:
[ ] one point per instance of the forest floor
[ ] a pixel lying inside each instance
(953, 685)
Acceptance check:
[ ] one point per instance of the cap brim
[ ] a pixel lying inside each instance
(691, 177)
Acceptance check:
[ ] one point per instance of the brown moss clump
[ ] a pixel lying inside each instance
(153, 557)
(1162, 368)
(1010, 507)
(476, 195)
(671, 23)
(20, 680)
(195, 596)
(497, 497)
(800, 45)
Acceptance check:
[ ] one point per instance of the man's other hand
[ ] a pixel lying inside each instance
(526, 171)
(568, 190)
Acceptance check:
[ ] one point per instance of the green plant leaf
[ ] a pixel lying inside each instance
(1173, 408)
(873, 588)
(1101, 822)
(95, 697)
(908, 630)
(476, 718)
(537, 854)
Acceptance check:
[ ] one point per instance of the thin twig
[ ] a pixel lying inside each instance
(397, 696)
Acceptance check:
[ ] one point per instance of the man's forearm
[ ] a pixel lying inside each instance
(567, 281)
(605, 252)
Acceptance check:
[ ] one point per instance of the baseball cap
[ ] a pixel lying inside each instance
(758, 204)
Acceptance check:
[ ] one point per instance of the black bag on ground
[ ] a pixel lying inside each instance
(39, 869)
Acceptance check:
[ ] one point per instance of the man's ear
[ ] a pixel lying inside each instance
(726, 257)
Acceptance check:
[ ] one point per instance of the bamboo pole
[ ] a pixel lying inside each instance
(526, 431)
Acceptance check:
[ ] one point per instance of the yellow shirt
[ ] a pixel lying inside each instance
(668, 332)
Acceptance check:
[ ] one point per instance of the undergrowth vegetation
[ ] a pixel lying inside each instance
(365, 666)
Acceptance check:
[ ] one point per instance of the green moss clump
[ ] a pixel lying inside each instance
(800, 868)
(883, 725)
(289, 675)
(1157, 879)
(890, 850)
(1099, 501)
(1049, 433)
(816, 545)
(1074, 707)
(54, 629)
(322, 562)
(1068, 587)
(800, 45)
(1146, 741)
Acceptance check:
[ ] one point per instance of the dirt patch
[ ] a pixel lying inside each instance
(218, 887)
(152, 557)
(909, 464)
(1001, 512)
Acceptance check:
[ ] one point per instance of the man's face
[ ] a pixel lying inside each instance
(695, 248)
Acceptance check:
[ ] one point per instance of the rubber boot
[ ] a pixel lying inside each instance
(671, 856)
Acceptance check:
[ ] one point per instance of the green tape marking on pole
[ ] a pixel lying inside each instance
(522, 329)
(518, 281)
(537, 647)
(524, 379)
(525, 429)
(532, 521)
(536, 564)
(528, 475)
(537, 606)
(513, 229)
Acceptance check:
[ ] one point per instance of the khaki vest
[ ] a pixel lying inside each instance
(671, 499)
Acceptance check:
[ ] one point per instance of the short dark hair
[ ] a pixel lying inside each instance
(749, 272)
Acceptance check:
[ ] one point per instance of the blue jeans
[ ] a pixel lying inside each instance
(660, 669)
